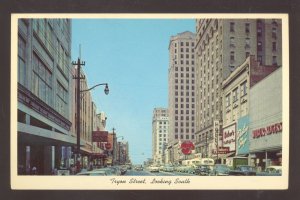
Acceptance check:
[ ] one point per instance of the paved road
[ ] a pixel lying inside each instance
(147, 173)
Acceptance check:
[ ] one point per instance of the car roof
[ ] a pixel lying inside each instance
(91, 172)
(275, 167)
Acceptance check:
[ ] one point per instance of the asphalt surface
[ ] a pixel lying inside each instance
(147, 173)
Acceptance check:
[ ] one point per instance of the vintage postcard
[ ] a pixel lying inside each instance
(150, 101)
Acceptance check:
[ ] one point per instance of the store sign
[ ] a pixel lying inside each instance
(107, 145)
(222, 150)
(229, 135)
(216, 133)
(269, 130)
(99, 136)
(187, 147)
(243, 135)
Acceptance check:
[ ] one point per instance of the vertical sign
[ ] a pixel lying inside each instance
(243, 135)
(216, 134)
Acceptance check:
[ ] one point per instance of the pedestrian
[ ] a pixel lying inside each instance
(72, 170)
(34, 170)
(54, 171)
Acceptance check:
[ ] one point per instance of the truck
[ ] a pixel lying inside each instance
(236, 161)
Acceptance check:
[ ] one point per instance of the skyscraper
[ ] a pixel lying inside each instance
(160, 127)
(182, 87)
(221, 46)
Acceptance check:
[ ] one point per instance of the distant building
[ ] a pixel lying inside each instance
(123, 153)
(222, 45)
(160, 128)
(44, 95)
(101, 124)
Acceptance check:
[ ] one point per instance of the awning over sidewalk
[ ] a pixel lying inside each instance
(35, 135)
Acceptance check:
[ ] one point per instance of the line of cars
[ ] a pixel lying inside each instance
(219, 170)
(106, 171)
(162, 168)
(240, 170)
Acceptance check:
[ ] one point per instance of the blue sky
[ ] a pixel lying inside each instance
(131, 55)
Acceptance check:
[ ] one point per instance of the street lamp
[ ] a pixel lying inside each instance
(78, 77)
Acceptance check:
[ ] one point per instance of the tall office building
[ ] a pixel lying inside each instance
(44, 95)
(160, 127)
(221, 46)
(182, 87)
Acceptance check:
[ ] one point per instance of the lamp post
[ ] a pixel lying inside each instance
(78, 91)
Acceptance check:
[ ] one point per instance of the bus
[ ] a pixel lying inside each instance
(198, 161)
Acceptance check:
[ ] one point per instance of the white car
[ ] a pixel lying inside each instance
(92, 173)
(153, 169)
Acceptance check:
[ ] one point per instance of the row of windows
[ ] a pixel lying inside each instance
(187, 50)
(187, 99)
(186, 118)
(187, 81)
(21, 61)
(41, 81)
(185, 43)
(162, 135)
(235, 94)
(187, 69)
(182, 124)
(187, 62)
(187, 137)
(186, 111)
(54, 46)
(162, 122)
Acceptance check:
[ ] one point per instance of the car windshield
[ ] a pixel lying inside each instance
(246, 168)
(222, 168)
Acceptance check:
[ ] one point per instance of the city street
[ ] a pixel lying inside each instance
(147, 173)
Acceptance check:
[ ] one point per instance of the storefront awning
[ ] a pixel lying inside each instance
(231, 154)
(85, 150)
(99, 155)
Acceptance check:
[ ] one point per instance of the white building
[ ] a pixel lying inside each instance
(181, 89)
(160, 129)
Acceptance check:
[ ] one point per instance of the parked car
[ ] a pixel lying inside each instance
(123, 169)
(184, 169)
(168, 168)
(243, 170)
(138, 168)
(107, 170)
(220, 170)
(271, 171)
(153, 168)
(93, 173)
(203, 170)
(116, 170)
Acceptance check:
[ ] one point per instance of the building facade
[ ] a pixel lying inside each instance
(265, 124)
(160, 129)
(182, 95)
(221, 46)
(44, 95)
(236, 100)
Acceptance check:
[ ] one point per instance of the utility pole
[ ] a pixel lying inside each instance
(206, 146)
(113, 150)
(78, 78)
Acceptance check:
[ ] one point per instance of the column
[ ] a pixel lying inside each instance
(49, 159)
